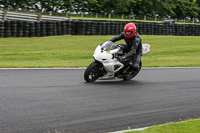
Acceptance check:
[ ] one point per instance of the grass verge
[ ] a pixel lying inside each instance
(189, 126)
(113, 19)
(77, 51)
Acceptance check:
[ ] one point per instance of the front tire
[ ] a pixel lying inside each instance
(92, 73)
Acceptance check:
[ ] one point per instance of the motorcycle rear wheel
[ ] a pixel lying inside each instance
(92, 73)
(133, 73)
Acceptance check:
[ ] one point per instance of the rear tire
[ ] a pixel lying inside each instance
(134, 73)
(92, 73)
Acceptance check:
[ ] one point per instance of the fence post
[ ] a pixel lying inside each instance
(109, 16)
(145, 17)
(96, 15)
(155, 18)
(67, 14)
(193, 20)
(122, 16)
(82, 15)
(134, 17)
(39, 17)
(5, 15)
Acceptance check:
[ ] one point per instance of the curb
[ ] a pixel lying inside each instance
(42, 68)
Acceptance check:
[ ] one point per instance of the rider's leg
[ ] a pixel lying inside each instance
(136, 61)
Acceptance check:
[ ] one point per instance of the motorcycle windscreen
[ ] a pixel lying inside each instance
(107, 46)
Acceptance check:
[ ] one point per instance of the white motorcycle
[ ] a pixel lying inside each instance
(106, 65)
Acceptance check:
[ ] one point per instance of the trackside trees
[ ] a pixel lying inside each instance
(163, 8)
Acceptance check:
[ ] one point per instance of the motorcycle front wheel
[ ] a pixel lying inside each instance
(92, 73)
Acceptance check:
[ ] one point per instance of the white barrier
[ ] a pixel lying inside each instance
(8, 15)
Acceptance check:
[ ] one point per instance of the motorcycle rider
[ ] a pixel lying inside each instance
(133, 45)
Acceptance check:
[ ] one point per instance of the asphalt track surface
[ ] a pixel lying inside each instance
(42, 101)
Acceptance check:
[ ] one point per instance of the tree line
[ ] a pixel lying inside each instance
(173, 8)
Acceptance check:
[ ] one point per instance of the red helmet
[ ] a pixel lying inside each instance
(129, 30)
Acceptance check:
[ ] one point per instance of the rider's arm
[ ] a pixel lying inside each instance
(117, 38)
(131, 52)
(135, 48)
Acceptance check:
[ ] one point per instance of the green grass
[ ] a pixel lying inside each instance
(77, 51)
(190, 126)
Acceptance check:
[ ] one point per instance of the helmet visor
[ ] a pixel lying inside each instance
(128, 33)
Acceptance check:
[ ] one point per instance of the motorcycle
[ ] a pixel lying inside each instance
(106, 65)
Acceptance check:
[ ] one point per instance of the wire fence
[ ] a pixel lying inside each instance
(130, 17)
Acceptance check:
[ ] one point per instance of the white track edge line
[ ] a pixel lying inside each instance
(137, 129)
